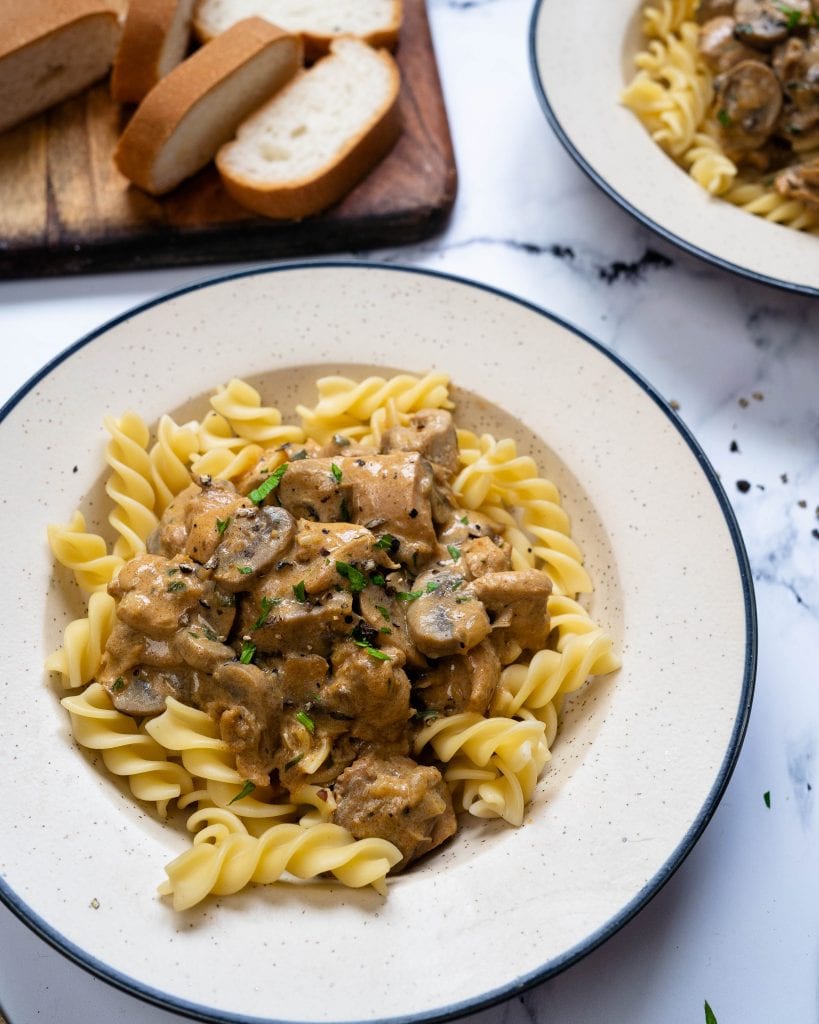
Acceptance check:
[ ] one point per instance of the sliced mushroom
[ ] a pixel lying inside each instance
(443, 619)
(764, 23)
(748, 99)
(254, 539)
(720, 48)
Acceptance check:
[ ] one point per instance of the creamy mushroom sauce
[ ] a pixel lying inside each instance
(764, 55)
(321, 612)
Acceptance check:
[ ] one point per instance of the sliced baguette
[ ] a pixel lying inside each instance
(154, 40)
(311, 143)
(319, 21)
(51, 50)
(194, 109)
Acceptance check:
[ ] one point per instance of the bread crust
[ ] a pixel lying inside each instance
(137, 63)
(23, 22)
(317, 44)
(51, 50)
(308, 195)
(164, 109)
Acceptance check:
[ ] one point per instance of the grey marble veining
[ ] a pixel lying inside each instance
(738, 924)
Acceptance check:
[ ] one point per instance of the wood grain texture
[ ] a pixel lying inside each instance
(64, 207)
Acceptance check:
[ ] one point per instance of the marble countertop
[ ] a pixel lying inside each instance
(737, 924)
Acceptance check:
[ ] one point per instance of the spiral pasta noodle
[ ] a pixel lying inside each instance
(225, 857)
(126, 751)
(346, 406)
(241, 405)
(175, 446)
(130, 485)
(78, 660)
(86, 554)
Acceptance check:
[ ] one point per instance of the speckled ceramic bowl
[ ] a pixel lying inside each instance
(581, 64)
(640, 763)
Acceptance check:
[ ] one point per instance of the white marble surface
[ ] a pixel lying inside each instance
(737, 924)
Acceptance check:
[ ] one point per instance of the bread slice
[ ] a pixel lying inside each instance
(310, 144)
(50, 50)
(155, 39)
(319, 21)
(192, 111)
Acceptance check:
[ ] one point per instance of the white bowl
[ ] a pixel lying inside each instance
(642, 757)
(581, 62)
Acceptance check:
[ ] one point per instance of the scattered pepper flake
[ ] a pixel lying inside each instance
(743, 486)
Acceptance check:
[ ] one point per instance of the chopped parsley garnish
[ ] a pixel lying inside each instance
(409, 595)
(386, 542)
(378, 580)
(223, 524)
(293, 761)
(724, 118)
(245, 570)
(766, 796)
(710, 1018)
(355, 577)
(269, 485)
(246, 790)
(336, 471)
(794, 17)
(464, 520)
(248, 652)
(119, 684)
(462, 599)
(304, 719)
(385, 612)
(298, 590)
(373, 651)
(454, 553)
(177, 585)
(385, 629)
(174, 569)
(432, 586)
(267, 605)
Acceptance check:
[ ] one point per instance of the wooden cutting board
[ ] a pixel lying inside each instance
(64, 208)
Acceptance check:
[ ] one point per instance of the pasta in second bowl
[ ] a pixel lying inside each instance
(647, 133)
(652, 742)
